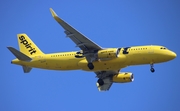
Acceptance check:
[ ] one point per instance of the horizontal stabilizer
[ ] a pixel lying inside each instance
(26, 69)
(19, 54)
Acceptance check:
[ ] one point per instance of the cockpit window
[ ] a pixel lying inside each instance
(163, 48)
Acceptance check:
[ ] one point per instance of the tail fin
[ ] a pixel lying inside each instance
(27, 46)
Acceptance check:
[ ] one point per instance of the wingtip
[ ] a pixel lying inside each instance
(55, 16)
(53, 13)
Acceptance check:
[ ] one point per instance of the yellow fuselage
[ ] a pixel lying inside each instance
(136, 55)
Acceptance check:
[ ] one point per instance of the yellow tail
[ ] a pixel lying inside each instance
(27, 46)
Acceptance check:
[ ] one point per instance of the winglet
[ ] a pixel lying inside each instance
(55, 16)
(53, 13)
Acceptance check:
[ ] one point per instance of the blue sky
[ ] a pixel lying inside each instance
(108, 23)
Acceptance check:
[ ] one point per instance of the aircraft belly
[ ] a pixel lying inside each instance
(34, 63)
(52, 64)
(102, 65)
(63, 64)
(72, 64)
(138, 59)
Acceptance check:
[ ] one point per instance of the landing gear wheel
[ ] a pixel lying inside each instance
(152, 70)
(100, 82)
(90, 66)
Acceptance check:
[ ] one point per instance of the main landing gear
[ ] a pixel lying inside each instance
(152, 69)
(90, 66)
(100, 82)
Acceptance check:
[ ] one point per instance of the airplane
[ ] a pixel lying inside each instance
(106, 63)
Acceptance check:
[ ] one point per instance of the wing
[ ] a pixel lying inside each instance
(106, 86)
(106, 75)
(80, 40)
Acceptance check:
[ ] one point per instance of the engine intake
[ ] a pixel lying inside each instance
(108, 53)
(123, 77)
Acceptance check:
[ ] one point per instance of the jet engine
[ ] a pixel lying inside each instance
(123, 77)
(108, 53)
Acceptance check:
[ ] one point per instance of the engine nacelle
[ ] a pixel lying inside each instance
(108, 53)
(123, 77)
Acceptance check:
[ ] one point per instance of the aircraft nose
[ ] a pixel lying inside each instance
(173, 55)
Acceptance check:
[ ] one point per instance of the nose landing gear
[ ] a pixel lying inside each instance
(152, 69)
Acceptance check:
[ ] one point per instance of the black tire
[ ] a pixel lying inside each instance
(100, 82)
(152, 70)
(90, 66)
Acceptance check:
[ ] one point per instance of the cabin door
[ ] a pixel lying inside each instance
(151, 50)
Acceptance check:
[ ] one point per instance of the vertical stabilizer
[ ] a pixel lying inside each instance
(27, 46)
